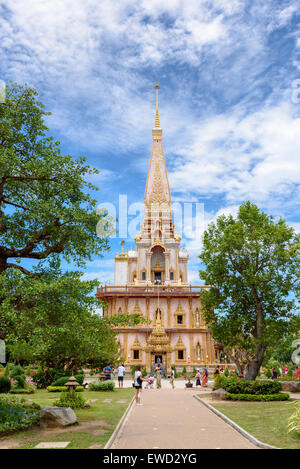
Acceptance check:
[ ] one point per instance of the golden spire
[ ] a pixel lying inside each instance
(157, 123)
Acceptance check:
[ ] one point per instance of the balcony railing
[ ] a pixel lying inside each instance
(150, 289)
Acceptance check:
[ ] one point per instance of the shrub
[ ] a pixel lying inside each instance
(16, 371)
(64, 379)
(184, 371)
(63, 388)
(5, 384)
(144, 372)
(258, 397)
(28, 371)
(226, 372)
(133, 369)
(175, 372)
(20, 381)
(220, 382)
(102, 386)
(294, 420)
(44, 378)
(75, 402)
(253, 387)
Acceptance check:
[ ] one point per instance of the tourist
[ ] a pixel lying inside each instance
(204, 378)
(172, 378)
(198, 378)
(298, 372)
(286, 369)
(121, 371)
(274, 373)
(107, 371)
(158, 376)
(217, 371)
(138, 382)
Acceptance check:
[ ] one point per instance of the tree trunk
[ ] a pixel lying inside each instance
(255, 364)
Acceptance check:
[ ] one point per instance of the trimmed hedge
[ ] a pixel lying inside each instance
(258, 397)
(243, 386)
(63, 388)
(102, 386)
(25, 390)
(5, 384)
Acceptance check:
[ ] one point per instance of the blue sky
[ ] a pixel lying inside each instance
(228, 99)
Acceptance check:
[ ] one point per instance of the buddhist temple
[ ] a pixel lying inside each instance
(151, 280)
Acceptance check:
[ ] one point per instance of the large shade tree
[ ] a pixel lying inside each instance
(47, 215)
(46, 209)
(252, 264)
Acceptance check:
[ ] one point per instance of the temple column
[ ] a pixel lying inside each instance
(148, 273)
(167, 266)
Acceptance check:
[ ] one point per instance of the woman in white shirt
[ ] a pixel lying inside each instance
(138, 381)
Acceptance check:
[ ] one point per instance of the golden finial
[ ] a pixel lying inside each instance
(157, 123)
(122, 244)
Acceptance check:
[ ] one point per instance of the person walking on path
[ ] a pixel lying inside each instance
(198, 378)
(274, 373)
(205, 378)
(172, 377)
(298, 372)
(158, 377)
(138, 383)
(121, 371)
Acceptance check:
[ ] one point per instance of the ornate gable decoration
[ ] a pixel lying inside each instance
(136, 345)
(137, 309)
(180, 345)
(157, 195)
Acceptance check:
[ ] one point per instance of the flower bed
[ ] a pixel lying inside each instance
(14, 415)
(258, 397)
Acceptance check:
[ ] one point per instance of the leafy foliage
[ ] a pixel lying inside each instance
(294, 420)
(253, 264)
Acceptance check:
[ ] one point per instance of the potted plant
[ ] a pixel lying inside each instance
(189, 384)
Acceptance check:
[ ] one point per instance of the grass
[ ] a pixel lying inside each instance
(266, 421)
(100, 418)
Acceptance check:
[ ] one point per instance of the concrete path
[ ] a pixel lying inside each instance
(174, 419)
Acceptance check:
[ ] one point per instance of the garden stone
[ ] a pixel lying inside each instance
(219, 394)
(51, 416)
(291, 386)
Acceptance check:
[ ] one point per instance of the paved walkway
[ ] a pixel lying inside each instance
(174, 419)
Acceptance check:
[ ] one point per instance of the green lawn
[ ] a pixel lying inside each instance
(266, 421)
(96, 424)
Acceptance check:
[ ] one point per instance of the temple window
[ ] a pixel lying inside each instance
(143, 275)
(136, 354)
(179, 319)
(180, 354)
(171, 275)
(120, 311)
